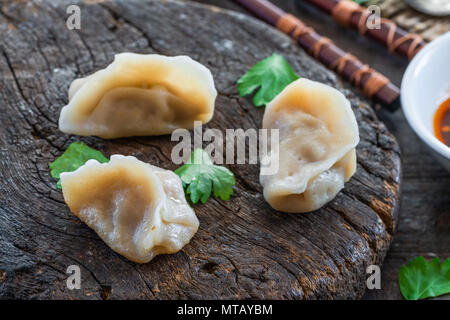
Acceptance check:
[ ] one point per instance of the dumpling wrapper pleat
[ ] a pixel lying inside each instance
(139, 210)
(140, 95)
(318, 135)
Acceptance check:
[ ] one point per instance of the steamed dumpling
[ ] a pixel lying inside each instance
(318, 135)
(139, 210)
(140, 95)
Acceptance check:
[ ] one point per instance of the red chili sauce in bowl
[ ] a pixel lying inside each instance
(441, 122)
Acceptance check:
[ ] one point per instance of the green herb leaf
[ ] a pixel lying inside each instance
(200, 176)
(422, 279)
(360, 1)
(271, 75)
(76, 155)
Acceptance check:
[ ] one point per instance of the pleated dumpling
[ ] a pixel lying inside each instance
(139, 210)
(140, 95)
(318, 134)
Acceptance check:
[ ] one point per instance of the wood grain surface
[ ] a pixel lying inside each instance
(243, 249)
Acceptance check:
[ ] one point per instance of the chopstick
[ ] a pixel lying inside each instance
(352, 15)
(370, 82)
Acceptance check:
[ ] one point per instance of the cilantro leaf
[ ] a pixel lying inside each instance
(422, 279)
(200, 176)
(76, 155)
(360, 1)
(271, 75)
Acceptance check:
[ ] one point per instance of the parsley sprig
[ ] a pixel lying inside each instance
(360, 1)
(76, 155)
(271, 75)
(200, 176)
(421, 279)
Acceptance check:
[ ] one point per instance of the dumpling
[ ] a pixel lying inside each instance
(140, 95)
(139, 210)
(318, 134)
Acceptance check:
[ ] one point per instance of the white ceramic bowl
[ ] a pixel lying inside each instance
(425, 85)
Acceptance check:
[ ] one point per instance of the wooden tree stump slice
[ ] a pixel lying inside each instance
(244, 248)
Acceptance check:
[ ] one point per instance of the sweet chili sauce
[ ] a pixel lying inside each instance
(441, 122)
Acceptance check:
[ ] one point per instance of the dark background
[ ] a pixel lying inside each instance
(424, 218)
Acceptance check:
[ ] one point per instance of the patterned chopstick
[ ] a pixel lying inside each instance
(350, 14)
(370, 82)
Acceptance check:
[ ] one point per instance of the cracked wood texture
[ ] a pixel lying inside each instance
(243, 249)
